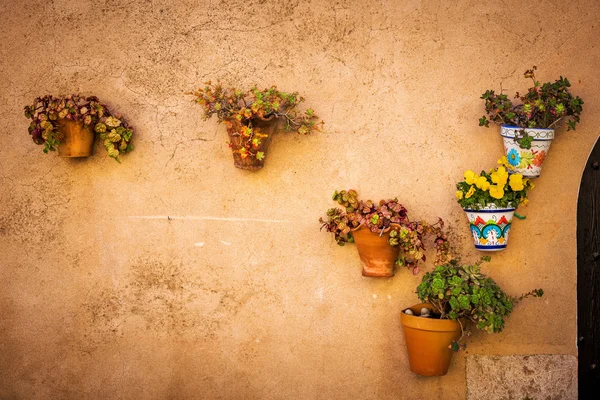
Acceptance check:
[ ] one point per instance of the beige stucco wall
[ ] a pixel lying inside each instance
(97, 304)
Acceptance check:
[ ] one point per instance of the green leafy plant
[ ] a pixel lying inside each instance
(543, 106)
(384, 216)
(462, 293)
(496, 187)
(46, 113)
(241, 109)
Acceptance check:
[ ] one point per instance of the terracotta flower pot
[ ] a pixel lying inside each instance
(428, 341)
(236, 141)
(377, 257)
(527, 162)
(77, 138)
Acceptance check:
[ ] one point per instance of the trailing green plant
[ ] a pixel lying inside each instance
(461, 292)
(240, 109)
(495, 186)
(543, 106)
(46, 113)
(384, 216)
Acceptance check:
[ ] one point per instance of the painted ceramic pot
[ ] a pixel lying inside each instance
(490, 227)
(377, 257)
(77, 139)
(527, 162)
(428, 341)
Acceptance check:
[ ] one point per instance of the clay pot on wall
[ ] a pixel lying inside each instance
(527, 162)
(428, 341)
(377, 257)
(263, 129)
(77, 139)
(490, 227)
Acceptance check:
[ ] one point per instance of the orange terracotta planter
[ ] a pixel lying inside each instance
(377, 257)
(77, 139)
(262, 127)
(428, 341)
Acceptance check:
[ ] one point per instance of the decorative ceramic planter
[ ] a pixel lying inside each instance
(264, 127)
(527, 162)
(428, 341)
(490, 227)
(377, 257)
(77, 140)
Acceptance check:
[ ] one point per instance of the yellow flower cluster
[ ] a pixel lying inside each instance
(499, 178)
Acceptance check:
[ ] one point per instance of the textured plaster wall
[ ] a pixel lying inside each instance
(95, 303)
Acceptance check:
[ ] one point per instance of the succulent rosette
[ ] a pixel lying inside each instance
(496, 186)
(47, 111)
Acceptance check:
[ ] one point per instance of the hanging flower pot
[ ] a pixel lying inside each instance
(428, 341)
(490, 227)
(527, 124)
(383, 234)
(251, 118)
(77, 139)
(489, 200)
(68, 124)
(377, 256)
(257, 138)
(454, 298)
(527, 162)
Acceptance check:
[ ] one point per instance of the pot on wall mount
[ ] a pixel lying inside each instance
(77, 139)
(258, 138)
(377, 257)
(490, 227)
(69, 123)
(527, 162)
(252, 116)
(428, 341)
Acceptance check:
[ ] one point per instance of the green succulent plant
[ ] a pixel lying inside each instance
(461, 292)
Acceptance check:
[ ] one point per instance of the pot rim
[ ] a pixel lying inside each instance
(490, 211)
(254, 118)
(509, 132)
(386, 230)
(526, 129)
(427, 324)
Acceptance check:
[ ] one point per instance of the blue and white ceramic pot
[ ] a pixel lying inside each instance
(527, 162)
(490, 227)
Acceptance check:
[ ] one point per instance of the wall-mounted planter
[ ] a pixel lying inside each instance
(527, 162)
(428, 341)
(251, 118)
(377, 257)
(263, 129)
(77, 139)
(69, 124)
(490, 227)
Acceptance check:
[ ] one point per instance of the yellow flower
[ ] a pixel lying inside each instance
(530, 182)
(497, 191)
(516, 182)
(504, 162)
(470, 192)
(459, 194)
(470, 177)
(524, 201)
(500, 176)
(482, 183)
